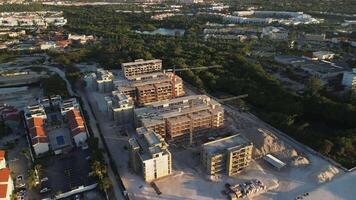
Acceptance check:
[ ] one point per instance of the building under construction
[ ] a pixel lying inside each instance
(120, 108)
(147, 88)
(181, 119)
(140, 66)
(230, 154)
(149, 155)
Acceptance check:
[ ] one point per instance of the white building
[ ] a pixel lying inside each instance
(39, 139)
(104, 80)
(323, 55)
(120, 107)
(6, 184)
(48, 45)
(69, 104)
(149, 155)
(2, 159)
(349, 78)
(245, 20)
(35, 110)
(274, 33)
(77, 127)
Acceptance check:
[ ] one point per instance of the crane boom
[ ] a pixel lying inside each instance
(191, 68)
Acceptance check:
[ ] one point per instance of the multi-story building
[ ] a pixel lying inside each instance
(6, 184)
(275, 33)
(148, 88)
(2, 159)
(35, 110)
(230, 154)
(69, 104)
(38, 135)
(120, 107)
(76, 127)
(349, 78)
(149, 155)
(104, 80)
(140, 66)
(61, 114)
(323, 55)
(181, 119)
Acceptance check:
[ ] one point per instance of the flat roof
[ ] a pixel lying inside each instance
(140, 61)
(274, 161)
(225, 143)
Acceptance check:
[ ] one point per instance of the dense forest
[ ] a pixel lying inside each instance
(322, 123)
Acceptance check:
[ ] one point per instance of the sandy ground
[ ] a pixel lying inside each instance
(342, 188)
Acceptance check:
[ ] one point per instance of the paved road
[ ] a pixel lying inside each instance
(93, 125)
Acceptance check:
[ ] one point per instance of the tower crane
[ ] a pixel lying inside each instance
(174, 70)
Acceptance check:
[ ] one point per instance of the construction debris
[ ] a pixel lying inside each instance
(244, 190)
(327, 174)
(266, 142)
(299, 161)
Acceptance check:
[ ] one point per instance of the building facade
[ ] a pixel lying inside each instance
(230, 155)
(181, 119)
(149, 155)
(153, 87)
(6, 184)
(120, 108)
(104, 80)
(140, 66)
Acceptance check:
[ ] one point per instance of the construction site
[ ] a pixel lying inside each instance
(181, 119)
(147, 88)
(264, 162)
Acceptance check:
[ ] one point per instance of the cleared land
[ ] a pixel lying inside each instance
(190, 182)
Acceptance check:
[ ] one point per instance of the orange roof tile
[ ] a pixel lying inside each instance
(2, 154)
(38, 131)
(4, 175)
(35, 121)
(3, 190)
(73, 114)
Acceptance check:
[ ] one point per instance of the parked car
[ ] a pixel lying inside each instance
(19, 178)
(45, 190)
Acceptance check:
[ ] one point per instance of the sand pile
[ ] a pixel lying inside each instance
(327, 174)
(300, 161)
(266, 142)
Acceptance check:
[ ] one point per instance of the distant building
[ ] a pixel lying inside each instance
(275, 33)
(191, 1)
(314, 37)
(149, 155)
(48, 45)
(140, 66)
(6, 184)
(245, 20)
(323, 55)
(120, 108)
(230, 155)
(104, 80)
(349, 78)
